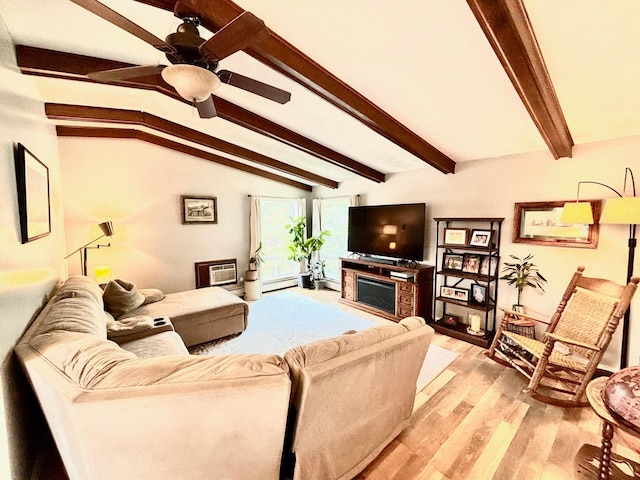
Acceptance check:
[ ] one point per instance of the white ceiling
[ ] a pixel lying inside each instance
(427, 63)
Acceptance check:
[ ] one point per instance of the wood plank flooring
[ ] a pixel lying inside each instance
(474, 422)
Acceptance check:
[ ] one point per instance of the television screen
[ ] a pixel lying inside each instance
(395, 231)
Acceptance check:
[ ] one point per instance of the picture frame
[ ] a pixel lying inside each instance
(452, 261)
(456, 236)
(478, 294)
(539, 223)
(471, 263)
(454, 293)
(34, 203)
(488, 265)
(481, 238)
(451, 320)
(198, 210)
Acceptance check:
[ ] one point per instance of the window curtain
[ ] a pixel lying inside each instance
(255, 231)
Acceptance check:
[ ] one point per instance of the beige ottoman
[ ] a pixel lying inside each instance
(199, 315)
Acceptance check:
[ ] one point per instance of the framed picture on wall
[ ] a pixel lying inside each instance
(34, 207)
(456, 236)
(197, 209)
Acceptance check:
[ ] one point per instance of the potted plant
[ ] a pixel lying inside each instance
(522, 273)
(254, 263)
(319, 278)
(301, 248)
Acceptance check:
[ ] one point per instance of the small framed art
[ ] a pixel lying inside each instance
(488, 265)
(478, 294)
(199, 209)
(451, 320)
(481, 238)
(456, 236)
(454, 293)
(34, 207)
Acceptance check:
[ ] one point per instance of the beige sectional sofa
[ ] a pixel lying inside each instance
(124, 399)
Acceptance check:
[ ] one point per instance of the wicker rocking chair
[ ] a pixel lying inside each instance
(560, 366)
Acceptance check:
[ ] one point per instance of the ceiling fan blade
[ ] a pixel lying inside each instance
(120, 21)
(240, 33)
(254, 86)
(125, 73)
(206, 109)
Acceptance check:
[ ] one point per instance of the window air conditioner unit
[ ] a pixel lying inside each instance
(222, 274)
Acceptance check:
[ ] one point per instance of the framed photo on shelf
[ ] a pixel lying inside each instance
(34, 207)
(456, 236)
(471, 263)
(199, 209)
(478, 294)
(454, 293)
(452, 261)
(481, 238)
(488, 265)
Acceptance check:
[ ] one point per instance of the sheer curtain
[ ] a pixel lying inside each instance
(332, 214)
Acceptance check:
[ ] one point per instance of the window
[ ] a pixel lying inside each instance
(332, 214)
(272, 214)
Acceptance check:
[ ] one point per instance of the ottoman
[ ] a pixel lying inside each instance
(199, 315)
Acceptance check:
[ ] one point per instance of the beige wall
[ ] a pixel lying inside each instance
(489, 188)
(29, 271)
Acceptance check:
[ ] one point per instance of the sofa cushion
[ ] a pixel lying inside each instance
(121, 296)
(156, 345)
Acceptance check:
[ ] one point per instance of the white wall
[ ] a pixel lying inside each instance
(29, 271)
(138, 186)
(489, 188)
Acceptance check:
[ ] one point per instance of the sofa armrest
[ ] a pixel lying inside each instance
(135, 328)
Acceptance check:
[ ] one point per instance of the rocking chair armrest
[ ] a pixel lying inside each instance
(523, 316)
(571, 341)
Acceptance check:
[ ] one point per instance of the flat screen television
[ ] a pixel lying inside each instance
(395, 231)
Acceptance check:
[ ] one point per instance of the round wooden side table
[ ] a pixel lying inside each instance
(600, 463)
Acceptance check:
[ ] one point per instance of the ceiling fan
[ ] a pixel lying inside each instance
(194, 61)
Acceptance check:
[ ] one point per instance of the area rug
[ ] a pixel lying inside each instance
(282, 321)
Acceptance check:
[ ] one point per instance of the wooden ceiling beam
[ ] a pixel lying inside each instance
(55, 111)
(50, 63)
(506, 25)
(277, 53)
(102, 132)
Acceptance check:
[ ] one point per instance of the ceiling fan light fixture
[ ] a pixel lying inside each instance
(192, 83)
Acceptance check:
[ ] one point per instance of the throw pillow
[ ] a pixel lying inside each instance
(151, 295)
(121, 296)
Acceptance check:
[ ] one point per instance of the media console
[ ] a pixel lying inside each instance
(390, 291)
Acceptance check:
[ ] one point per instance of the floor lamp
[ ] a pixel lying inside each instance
(621, 210)
(107, 231)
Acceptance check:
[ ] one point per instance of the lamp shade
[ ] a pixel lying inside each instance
(107, 228)
(577, 212)
(192, 83)
(622, 210)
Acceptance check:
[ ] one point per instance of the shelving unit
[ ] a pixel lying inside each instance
(455, 280)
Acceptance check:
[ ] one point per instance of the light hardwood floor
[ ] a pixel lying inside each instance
(474, 422)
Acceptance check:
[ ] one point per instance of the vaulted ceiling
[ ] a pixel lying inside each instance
(377, 88)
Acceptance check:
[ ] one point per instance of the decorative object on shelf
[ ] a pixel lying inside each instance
(456, 236)
(301, 248)
(622, 210)
(451, 320)
(197, 209)
(540, 223)
(522, 273)
(34, 208)
(107, 231)
(452, 261)
(481, 238)
(454, 293)
(474, 322)
(488, 265)
(471, 263)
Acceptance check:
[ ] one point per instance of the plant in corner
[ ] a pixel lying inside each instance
(254, 263)
(301, 248)
(522, 273)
